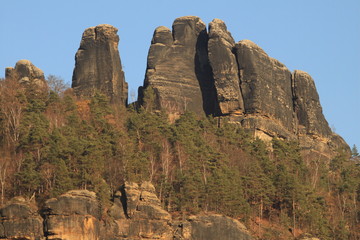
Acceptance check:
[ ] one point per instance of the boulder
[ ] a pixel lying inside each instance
(98, 65)
(178, 70)
(215, 226)
(26, 73)
(19, 219)
(145, 217)
(73, 215)
(225, 69)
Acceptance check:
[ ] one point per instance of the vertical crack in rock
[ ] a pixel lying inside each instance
(178, 70)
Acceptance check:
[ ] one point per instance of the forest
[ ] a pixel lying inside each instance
(52, 141)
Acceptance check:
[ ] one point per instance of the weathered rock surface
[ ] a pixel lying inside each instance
(214, 226)
(137, 215)
(26, 73)
(144, 216)
(307, 106)
(178, 69)
(19, 219)
(190, 69)
(72, 216)
(224, 68)
(265, 85)
(98, 65)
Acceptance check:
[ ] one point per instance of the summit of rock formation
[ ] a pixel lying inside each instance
(26, 73)
(98, 65)
(178, 69)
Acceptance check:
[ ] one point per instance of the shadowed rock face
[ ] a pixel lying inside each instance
(26, 73)
(178, 69)
(98, 66)
(225, 69)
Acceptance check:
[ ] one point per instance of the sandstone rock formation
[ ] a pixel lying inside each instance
(98, 65)
(266, 88)
(216, 226)
(20, 220)
(307, 106)
(178, 69)
(225, 69)
(73, 216)
(136, 214)
(190, 69)
(26, 73)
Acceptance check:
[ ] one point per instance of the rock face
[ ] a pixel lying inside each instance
(190, 69)
(178, 69)
(266, 88)
(98, 65)
(20, 220)
(73, 216)
(26, 73)
(136, 213)
(225, 69)
(216, 226)
(307, 106)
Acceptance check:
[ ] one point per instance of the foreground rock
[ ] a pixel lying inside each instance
(26, 73)
(136, 213)
(98, 65)
(73, 216)
(20, 220)
(216, 226)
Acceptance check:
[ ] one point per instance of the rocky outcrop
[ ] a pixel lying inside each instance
(73, 216)
(178, 69)
(216, 226)
(190, 69)
(26, 73)
(19, 219)
(225, 69)
(144, 217)
(98, 65)
(136, 213)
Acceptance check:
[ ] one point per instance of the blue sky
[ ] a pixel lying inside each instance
(317, 36)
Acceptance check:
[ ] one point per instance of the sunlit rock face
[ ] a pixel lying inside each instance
(192, 69)
(178, 69)
(98, 65)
